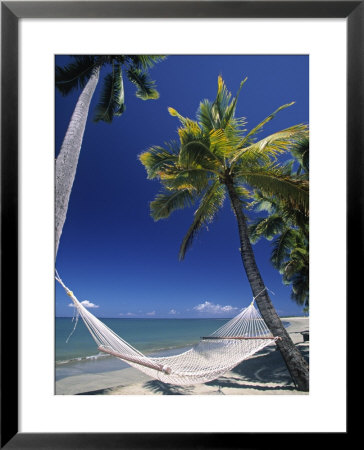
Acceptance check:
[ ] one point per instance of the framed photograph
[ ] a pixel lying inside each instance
(179, 73)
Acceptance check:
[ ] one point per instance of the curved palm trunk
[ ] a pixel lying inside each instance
(293, 358)
(67, 160)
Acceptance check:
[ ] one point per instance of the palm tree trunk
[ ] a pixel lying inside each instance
(296, 364)
(67, 160)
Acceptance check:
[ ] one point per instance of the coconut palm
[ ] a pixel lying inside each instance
(83, 73)
(290, 254)
(214, 158)
(287, 228)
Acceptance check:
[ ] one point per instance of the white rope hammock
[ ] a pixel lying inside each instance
(214, 355)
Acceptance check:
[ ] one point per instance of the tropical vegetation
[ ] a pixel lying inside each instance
(288, 229)
(84, 73)
(216, 157)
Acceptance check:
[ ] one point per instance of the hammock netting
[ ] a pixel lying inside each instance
(214, 355)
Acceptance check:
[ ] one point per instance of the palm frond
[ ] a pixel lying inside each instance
(267, 227)
(273, 205)
(262, 202)
(158, 160)
(254, 235)
(210, 204)
(234, 130)
(145, 61)
(75, 74)
(218, 114)
(272, 182)
(228, 111)
(243, 193)
(111, 102)
(300, 292)
(196, 154)
(300, 287)
(272, 145)
(248, 139)
(300, 152)
(167, 202)
(282, 247)
(191, 132)
(205, 116)
(190, 128)
(297, 265)
(223, 141)
(221, 103)
(146, 89)
(191, 179)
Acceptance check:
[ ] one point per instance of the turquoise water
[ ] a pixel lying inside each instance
(150, 336)
(147, 335)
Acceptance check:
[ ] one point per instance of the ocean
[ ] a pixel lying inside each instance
(78, 354)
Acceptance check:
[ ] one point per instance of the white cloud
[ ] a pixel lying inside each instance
(86, 304)
(127, 314)
(152, 313)
(173, 311)
(214, 308)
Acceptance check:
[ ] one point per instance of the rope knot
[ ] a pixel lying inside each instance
(265, 289)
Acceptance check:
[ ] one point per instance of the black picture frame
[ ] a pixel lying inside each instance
(11, 12)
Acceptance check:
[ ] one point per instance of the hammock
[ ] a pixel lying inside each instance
(213, 356)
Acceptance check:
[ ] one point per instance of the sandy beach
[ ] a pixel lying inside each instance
(265, 373)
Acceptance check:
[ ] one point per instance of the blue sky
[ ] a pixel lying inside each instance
(111, 252)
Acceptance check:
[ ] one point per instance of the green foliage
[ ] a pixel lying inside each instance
(145, 86)
(267, 227)
(251, 136)
(290, 247)
(300, 154)
(197, 153)
(167, 202)
(159, 160)
(111, 102)
(271, 146)
(76, 74)
(145, 62)
(273, 181)
(210, 204)
(213, 153)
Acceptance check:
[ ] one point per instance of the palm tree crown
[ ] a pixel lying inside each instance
(288, 229)
(111, 102)
(217, 157)
(84, 73)
(217, 152)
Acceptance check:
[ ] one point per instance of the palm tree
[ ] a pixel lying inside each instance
(83, 73)
(216, 157)
(289, 230)
(290, 254)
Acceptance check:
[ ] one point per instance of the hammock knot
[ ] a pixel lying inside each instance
(166, 370)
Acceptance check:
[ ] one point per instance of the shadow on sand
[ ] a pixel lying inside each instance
(167, 389)
(267, 367)
(106, 391)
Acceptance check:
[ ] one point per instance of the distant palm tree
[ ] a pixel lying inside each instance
(288, 228)
(288, 231)
(215, 157)
(83, 73)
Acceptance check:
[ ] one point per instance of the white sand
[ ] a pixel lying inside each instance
(265, 373)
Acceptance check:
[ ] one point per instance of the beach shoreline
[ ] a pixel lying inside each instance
(264, 373)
